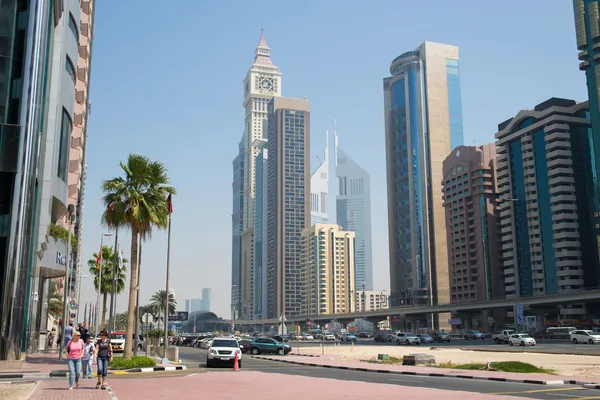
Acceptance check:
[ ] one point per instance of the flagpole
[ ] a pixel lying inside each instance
(99, 280)
(113, 293)
(166, 338)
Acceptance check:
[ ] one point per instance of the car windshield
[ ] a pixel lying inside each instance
(524, 336)
(411, 336)
(224, 343)
(118, 336)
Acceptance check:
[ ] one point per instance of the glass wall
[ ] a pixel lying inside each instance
(454, 103)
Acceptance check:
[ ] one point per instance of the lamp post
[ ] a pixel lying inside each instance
(96, 324)
(68, 272)
(233, 302)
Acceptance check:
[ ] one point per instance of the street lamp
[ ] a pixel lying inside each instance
(96, 324)
(512, 201)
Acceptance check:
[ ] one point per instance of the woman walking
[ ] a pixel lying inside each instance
(103, 356)
(74, 351)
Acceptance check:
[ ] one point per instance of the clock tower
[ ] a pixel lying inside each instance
(262, 83)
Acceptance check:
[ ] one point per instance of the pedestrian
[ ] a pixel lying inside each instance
(51, 338)
(74, 352)
(84, 332)
(103, 355)
(88, 352)
(68, 334)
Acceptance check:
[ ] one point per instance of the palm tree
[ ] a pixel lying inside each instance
(55, 301)
(158, 301)
(137, 200)
(121, 321)
(105, 285)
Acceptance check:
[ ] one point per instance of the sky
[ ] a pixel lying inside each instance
(167, 83)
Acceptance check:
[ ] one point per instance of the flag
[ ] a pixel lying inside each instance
(98, 259)
(170, 204)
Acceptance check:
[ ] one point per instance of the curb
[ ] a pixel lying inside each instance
(440, 375)
(551, 352)
(155, 369)
(304, 355)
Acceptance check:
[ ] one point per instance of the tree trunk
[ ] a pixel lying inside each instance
(105, 296)
(132, 285)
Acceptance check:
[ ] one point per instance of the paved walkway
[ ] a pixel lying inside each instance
(509, 376)
(57, 389)
(251, 385)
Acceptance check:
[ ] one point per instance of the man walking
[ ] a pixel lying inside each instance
(68, 334)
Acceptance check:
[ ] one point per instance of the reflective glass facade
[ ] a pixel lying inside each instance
(454, 103)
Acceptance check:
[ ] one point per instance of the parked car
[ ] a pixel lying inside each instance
(329, 337)
(244, 345)
(425, 338)
(585, 336)
(440, 337)
(223, 350)
(473, 334)
(268, 345)
(522, 339)
(407, 338)
(382, 338)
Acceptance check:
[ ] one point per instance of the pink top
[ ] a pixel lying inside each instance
(75, 349)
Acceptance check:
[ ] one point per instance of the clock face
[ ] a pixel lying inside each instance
(266, 84)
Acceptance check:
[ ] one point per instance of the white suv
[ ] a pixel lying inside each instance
(407, 338)
(222, 351)
(584, 336)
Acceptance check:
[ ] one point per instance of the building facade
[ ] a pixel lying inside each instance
(237, 224)
(328, 262)
(37, 96)
(371, 300)
(319, 189)
(546, 184)
(192, 305)
(423, 122)
(262, 82)
(353, 209)
(288, 203)
(260, 230)
(472, 229)
(205, 303)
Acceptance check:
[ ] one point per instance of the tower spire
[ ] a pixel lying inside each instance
(262, 42)
(263, 52)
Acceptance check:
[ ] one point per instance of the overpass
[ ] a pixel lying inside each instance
(553, 299)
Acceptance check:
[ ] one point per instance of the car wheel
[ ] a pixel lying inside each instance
(522, 343)
(497, 340)
(574, 341)
(208, 365)
(255, 351)
(511, 343)
(239, 363)
(591, 341)
(281, 352)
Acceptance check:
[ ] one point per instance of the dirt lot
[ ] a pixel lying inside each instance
(568, 365)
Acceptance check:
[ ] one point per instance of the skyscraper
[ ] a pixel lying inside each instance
(545, 181)
(353, 205)
(319, 189)
(288, 203)
(472, 228)
(260, 230)
(205, 304)
(328, 260)
(262, 82)
(423, 122)
(237, 223)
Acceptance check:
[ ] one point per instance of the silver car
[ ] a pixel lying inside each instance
(407, 338)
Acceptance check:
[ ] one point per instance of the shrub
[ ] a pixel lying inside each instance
(158, 333)
(58, 232)
(135, 362)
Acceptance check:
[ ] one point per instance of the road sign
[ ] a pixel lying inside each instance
(179, 316)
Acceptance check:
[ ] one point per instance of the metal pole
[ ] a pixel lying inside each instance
(99, 280)
(113, 292)
(137, 298)
(146, 332)
(166, 338)
(66, 288)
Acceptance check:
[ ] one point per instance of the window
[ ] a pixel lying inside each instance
(73, 27)
(70, 69)
(66, 126)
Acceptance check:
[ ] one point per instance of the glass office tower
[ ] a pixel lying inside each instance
(423, 121)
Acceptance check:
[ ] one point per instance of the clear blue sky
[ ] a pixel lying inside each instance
(167, 82)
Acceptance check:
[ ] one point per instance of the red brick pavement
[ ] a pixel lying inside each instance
(340, 361)
(58, 390)
(249, 385)
(44, 362)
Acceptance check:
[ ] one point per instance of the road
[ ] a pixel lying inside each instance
(195, 360)
(543, 345)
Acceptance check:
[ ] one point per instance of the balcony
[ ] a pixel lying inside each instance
(83, 52)
(84, 29)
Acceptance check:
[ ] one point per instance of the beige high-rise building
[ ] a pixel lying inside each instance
(423, 123)
(328, 263)
(371, 300)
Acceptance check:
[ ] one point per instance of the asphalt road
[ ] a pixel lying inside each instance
(195, 360)
(543, 345)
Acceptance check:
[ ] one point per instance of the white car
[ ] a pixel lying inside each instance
(522, 339)
(205, 343)
(585, 336)
(223, 351)
(309, 337)
(330, 337)
(407, 338)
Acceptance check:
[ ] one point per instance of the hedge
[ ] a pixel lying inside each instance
(135, 362)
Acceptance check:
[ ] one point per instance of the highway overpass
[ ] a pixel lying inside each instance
(554, 299)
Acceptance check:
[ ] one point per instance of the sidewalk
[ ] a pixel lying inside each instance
(340, 362)
(251, 385)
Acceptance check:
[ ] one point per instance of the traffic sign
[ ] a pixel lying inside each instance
(179, 316)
